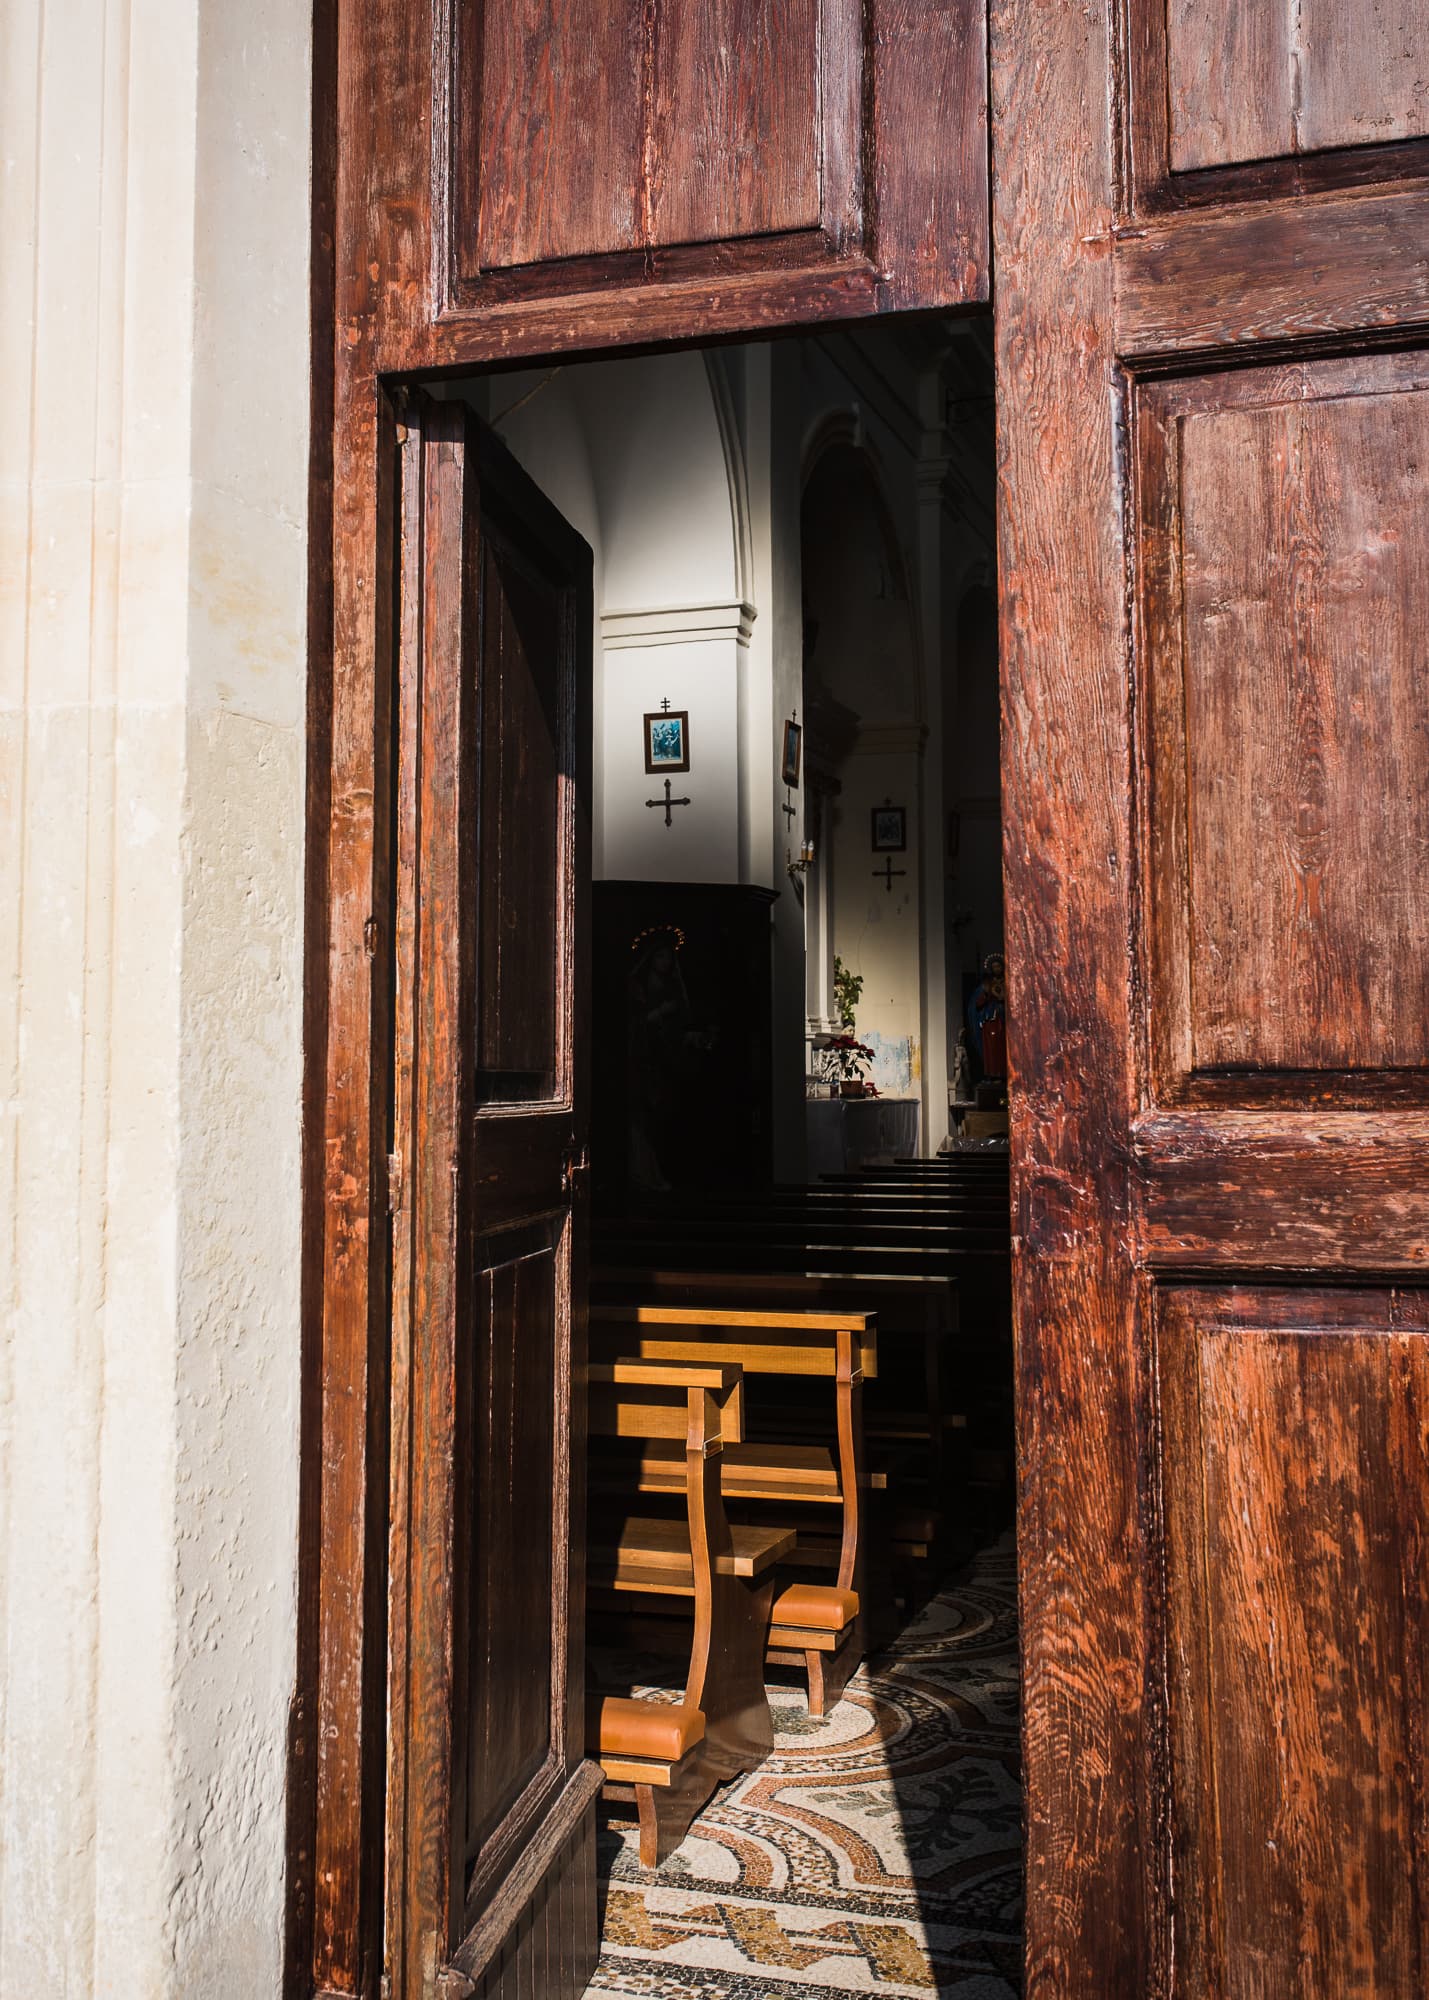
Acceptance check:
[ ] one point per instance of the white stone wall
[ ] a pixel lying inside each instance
(153, 482)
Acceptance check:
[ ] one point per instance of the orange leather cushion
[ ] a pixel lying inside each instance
(816, 1606)
(619, 1727)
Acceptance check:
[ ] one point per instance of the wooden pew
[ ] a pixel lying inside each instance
(911, 1420)
(928, 1224)
(814, 1625)
(668, 1758)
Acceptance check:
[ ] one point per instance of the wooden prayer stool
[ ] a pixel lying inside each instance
(916, 1446)
(816, 1626)
(668, 1758)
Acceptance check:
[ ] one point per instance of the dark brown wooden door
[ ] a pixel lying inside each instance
(1212, 250)
(490, 1804)
(497, 179)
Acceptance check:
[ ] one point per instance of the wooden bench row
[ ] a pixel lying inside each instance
(757, 1527)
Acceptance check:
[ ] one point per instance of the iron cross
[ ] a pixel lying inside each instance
(667, 802)
(885, 874)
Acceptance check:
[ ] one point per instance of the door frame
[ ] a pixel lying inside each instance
(354, 1479)
(1113, 277)
(339, 1836)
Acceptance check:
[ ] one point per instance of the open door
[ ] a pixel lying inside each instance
(1210, 233)
(496, 179)
(490, 1854)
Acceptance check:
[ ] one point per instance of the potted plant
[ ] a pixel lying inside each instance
(845, 1063)
(848, 989)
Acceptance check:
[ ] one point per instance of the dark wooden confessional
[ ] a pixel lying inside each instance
(1211, 240)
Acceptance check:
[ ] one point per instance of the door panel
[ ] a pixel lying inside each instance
(1221, 99)
(513, 1625)
(1215, 577)
(1286, 552)
(586, 150)
(486, 1677)
(1258, 82)
(520, 835)
(595, 146)
(1295, 1471)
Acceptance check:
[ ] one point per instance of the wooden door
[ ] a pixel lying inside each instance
(493, 180)
(490, 1799)
(1212, 250)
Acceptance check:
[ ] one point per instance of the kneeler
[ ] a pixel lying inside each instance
(816, 1626)
(669, 1757)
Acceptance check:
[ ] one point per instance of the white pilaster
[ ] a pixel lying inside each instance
(153, 475)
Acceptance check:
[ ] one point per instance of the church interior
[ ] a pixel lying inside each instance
(803, 1667)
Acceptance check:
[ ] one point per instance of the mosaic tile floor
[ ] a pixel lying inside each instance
(878, 1851)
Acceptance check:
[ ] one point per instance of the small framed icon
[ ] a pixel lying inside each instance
(667, 740)
(793, 752)
(890, 829)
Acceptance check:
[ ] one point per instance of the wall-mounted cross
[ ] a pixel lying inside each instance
(885, 874)
(667, 802)
(788, 811)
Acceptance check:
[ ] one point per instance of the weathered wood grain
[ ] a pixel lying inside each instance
(1094, 1922)
(930, 211)
(1232, 84)
(302, 1758)
(1228, 103)
(1294, 269)
(1288, 1190)
(550, 131)
(1364, 73)
(1283, 559)
(1254, 522)
(1305, 568)
(586, 151)
(1258, 82)
(1295, 1481)
(733, 139)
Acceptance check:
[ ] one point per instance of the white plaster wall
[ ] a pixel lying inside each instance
(153, 474)
(876, 926)
(701, 677)
(632, 453)
(660, 472)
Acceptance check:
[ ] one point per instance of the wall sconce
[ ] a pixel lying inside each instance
(804, 863)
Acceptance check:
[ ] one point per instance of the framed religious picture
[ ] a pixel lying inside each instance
(667, 740)
(890, 829)
(793, 749)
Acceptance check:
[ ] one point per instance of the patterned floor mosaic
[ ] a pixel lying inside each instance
(878, 1851)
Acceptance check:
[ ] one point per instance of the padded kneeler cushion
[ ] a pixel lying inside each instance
(617, 1726)
(818, 1607)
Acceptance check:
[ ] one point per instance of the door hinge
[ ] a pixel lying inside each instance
(369, 937)
(574, 1168)
(394, 1183)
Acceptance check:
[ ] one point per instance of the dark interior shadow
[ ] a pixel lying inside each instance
(955, 1770)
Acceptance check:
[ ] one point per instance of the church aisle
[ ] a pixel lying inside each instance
(878, 1851)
